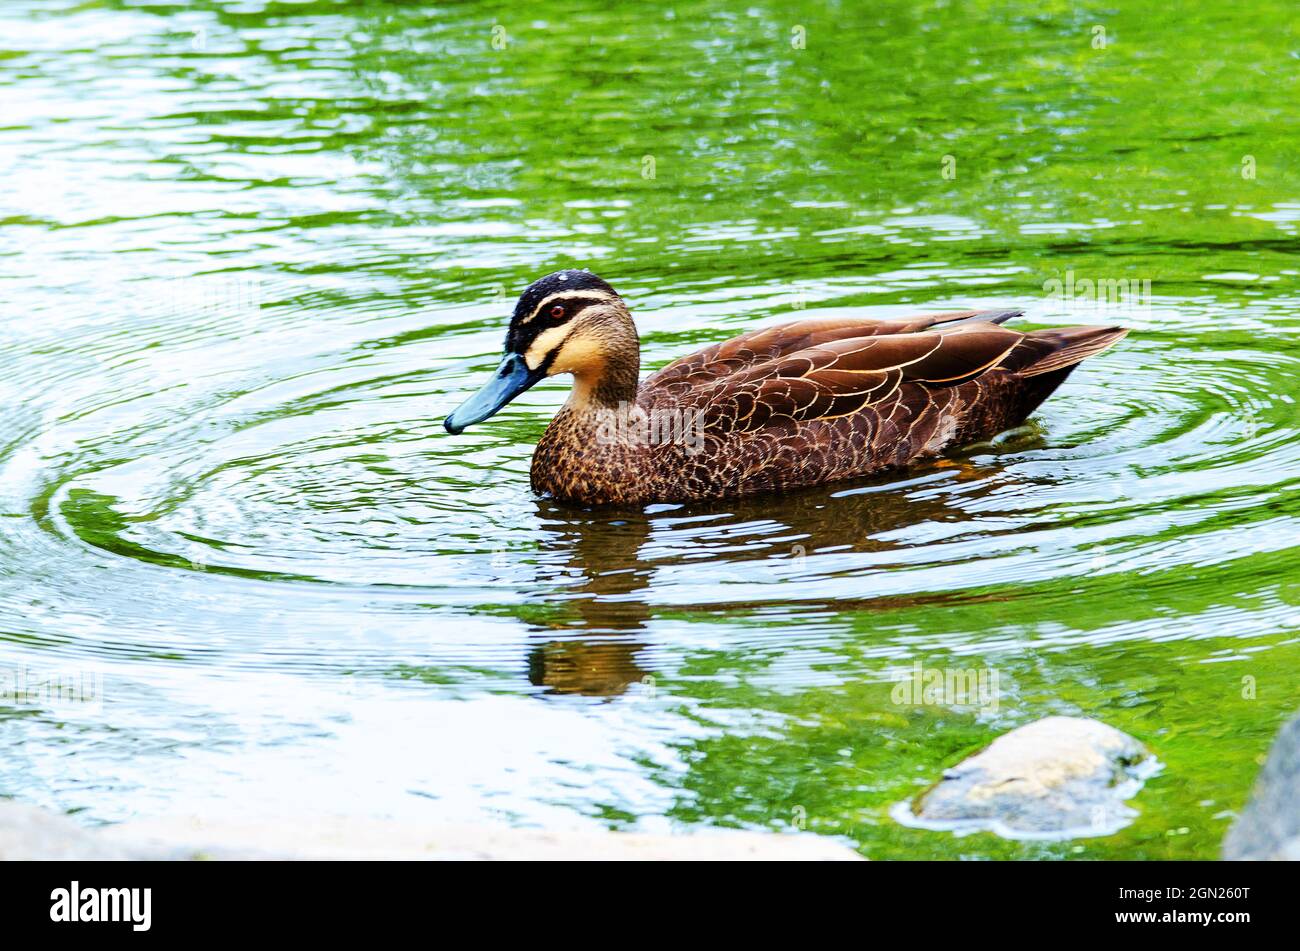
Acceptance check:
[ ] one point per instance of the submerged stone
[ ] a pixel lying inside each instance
(1057, 778)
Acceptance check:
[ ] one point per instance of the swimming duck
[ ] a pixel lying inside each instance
(778, 408)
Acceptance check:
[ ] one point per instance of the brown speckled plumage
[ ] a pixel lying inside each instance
(783, 407)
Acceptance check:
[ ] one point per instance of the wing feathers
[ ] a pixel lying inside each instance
(780, 376)
(769, 343)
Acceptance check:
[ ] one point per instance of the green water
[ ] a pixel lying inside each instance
(253, 252)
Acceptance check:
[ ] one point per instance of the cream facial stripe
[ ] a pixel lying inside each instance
(592, 296)
(543, 344)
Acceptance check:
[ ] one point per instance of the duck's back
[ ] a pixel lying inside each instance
(821, 400)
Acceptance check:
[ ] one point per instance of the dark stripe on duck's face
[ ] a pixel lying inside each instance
(551, 311)
(559, 283)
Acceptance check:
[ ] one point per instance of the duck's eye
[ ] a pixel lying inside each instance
(557, 311)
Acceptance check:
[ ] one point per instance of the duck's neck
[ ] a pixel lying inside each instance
(585, 453)
(609, 386)
(605, 361)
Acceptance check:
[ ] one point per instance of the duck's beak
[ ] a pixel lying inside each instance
(509, 380)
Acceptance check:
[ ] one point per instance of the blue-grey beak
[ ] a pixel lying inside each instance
(510, 379)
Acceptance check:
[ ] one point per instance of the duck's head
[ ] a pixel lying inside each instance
(566, 322)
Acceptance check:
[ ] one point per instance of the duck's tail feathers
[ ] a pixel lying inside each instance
(1046, 351)
(950, 322)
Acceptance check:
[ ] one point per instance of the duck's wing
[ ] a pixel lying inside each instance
(842, 376)
(772, 343)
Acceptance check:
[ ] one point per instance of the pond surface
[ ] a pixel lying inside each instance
(253, 252)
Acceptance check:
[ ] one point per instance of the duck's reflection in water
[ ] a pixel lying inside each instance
(616, 556)
(604, 549)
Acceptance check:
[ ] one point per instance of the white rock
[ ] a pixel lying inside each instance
(28, 833)
(345, 838)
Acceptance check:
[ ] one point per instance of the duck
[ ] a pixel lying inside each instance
(776, 409)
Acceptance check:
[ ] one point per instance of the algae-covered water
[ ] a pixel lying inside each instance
(252, 253)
